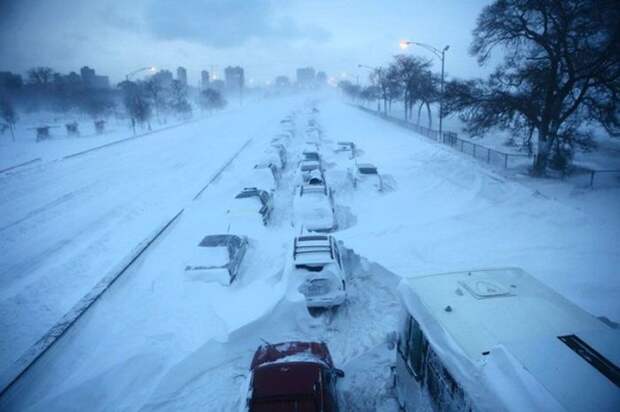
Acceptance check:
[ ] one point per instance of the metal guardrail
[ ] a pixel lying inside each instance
(594, 172)
(476, 150)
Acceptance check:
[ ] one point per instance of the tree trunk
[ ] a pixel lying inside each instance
(419, 112)
(541, 158)
(430, 118)
(11, 127)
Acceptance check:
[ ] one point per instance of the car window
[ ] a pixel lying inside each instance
(416, 347)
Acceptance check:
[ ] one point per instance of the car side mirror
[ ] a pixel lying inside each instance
(339, 373)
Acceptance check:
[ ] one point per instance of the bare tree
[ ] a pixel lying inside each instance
(136, 103)
(561, 69)
(8, 114)
(41, 76)
(351, 90)
(155, 90)
(416, 80)
(178, 98)
(211, 99)
(371, 94)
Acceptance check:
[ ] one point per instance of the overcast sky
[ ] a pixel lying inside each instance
(266, 37)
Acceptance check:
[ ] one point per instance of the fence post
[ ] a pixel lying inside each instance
(475, 150)
(488, 155)
(461, 145)
(592, 178)
(505, 160)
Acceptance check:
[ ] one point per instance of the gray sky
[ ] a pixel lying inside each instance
(266, 37)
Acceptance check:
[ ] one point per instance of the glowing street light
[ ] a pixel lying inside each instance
(441, 54)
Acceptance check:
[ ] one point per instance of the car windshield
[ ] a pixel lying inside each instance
(367, 170)
(247, 193)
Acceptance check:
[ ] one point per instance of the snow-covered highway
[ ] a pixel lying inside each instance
(158, 341)
(65, 224)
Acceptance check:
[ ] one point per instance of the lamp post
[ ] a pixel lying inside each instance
(152, 69)
(440, 54)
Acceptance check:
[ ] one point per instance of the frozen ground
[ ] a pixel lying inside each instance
(159, 341)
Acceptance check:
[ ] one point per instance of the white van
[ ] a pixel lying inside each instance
(499, 340)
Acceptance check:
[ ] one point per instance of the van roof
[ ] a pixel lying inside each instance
(484, 309)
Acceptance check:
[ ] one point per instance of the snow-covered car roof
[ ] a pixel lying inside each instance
(212, 256)
(291, 351)
(253, 192)
(307, 165)
(313, 189)
(312, 249)
(505, 322)
(313, 208)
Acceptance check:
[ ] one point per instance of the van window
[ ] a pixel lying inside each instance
(416, 348)
(442, 387)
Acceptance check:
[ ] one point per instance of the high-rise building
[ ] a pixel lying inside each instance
(321, 78)
(93, 81)
(235, 78)
(204, 79)
(182, 75)
(305, 76)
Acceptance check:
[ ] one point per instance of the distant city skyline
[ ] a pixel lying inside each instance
(266, 38)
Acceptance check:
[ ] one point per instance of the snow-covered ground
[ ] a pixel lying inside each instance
(66, 224)
(159, 340)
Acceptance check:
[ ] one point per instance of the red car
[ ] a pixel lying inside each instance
(293, 376)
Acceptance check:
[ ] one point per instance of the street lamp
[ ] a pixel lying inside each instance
(151, 69)
(441, 54)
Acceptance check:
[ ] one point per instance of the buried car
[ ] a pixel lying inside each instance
(318, 260)
(366, 175)
(346, 147)
(217, 259)
(267, 176)
(313, 208)
(293, 376)
(252, 202)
